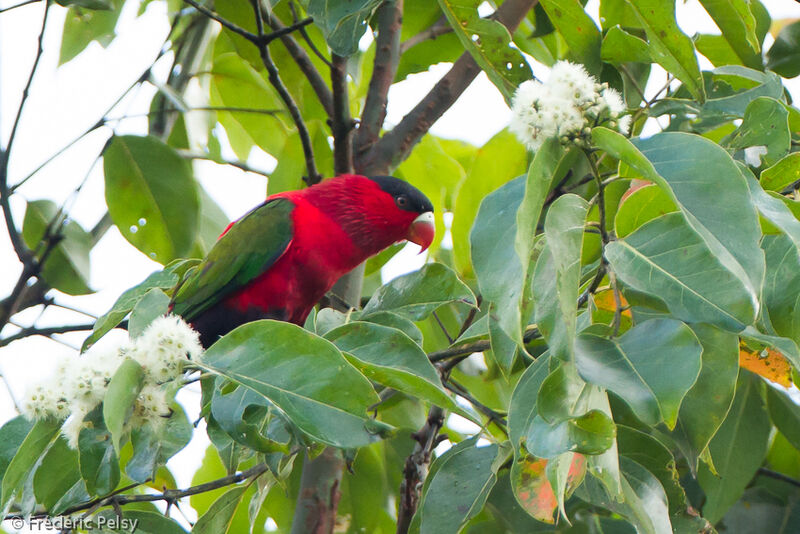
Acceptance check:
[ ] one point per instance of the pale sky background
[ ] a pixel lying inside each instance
(65, 101)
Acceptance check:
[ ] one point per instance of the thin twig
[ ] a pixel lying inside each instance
(440, 27)
(443, 328)
(307, 39)
(495, 417)
(45, 331)
(531, 333)
(769, 473)
(291, 105)
(253, 38)
(186, 154)
(15, 6)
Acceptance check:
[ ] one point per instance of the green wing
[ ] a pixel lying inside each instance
(248, 249)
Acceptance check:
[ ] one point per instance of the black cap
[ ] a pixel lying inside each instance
(406, 196)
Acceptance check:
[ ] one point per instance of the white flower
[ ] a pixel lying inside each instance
(72, 428)
(86, 379)
(45, 400)
(163, 348)
(152, 405)
(567, 106)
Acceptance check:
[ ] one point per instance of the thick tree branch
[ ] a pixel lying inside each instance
(416, 467)
(303, 61)
(291, 105)
(315, 512)
(342, 123)
(395, 145)
(387, 56)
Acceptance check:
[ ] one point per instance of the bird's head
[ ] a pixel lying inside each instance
(377, 211)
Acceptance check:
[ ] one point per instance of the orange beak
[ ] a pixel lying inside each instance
(422, 230)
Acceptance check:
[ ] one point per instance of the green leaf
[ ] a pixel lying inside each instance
(153, 446)
(82, 26)
(146, 522)
(394, 320)
(591, 433)
(705, 406)
(488, 41)
(391, 358)
(563, 229)
(522, 407)
(152, 196)
(781, 292)
(120, 396)
(761, 510)
(246, 416)
(750, 84)
(738, 26)
(67, 265)
(88, 4)
(165, 279)
(153, 305)
(669, 46)
(784, 56)
(644, 204)
(666, 259)
(717, 49)
(416, 295)
(12, 434)
(643, 501)
(559, 393)
(500, 160)
(785, 414)
(765, 123)
(460, 482)
(620, 46)
(36, 442)
(578, 30)
(99, 462)
(782, 174)
(495, 261)
(57, 474)
(219, 518)
(342, 23)
(737, 449)
(651, 366)
(273, 359)
(773, 207)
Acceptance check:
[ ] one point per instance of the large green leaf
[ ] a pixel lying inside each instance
(785, 414)
(416, 295)
(556, 318)
(26, 456)
(620, 46)
(666, 259)
(12, 434)
(82, 26)
(590, 433)
(642, 205)
(274, 359)
(342, 23)
(500, 160)
(781, 293)
(737, 449)
(246, 417)
(784, 55)
(643, 502)
(651, 366)
(389, 357)
(705, 406)
(153, 446)
(488, 41)
(219, 518)
(457, 488)
(765, 124)
(57, 474)
(152, 196)
(669, 46)
(67, 265)
(738, 27)
(579, 31)
(782, 174)
(774, 208)
(522, 408)
(750, 84)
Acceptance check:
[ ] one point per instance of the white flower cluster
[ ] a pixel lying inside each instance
(76, 389)
(567, 106)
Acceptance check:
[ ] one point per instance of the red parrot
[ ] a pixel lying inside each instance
(278, 260)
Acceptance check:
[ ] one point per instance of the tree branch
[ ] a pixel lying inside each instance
(395, 145)
(440, 27)
(303, 61)
(531, 333)
(23, 253)
(416, 467)
(342, 124)
(291, 105)
(387, 56)
(15, 6)
(47, 332)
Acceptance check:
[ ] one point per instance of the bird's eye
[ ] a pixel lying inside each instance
(402, 201)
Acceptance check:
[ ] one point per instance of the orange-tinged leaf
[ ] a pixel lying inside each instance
(768, 363)
(534, 492)
(636, 184)
(604, 300)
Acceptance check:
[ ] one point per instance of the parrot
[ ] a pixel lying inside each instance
(284, 255)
